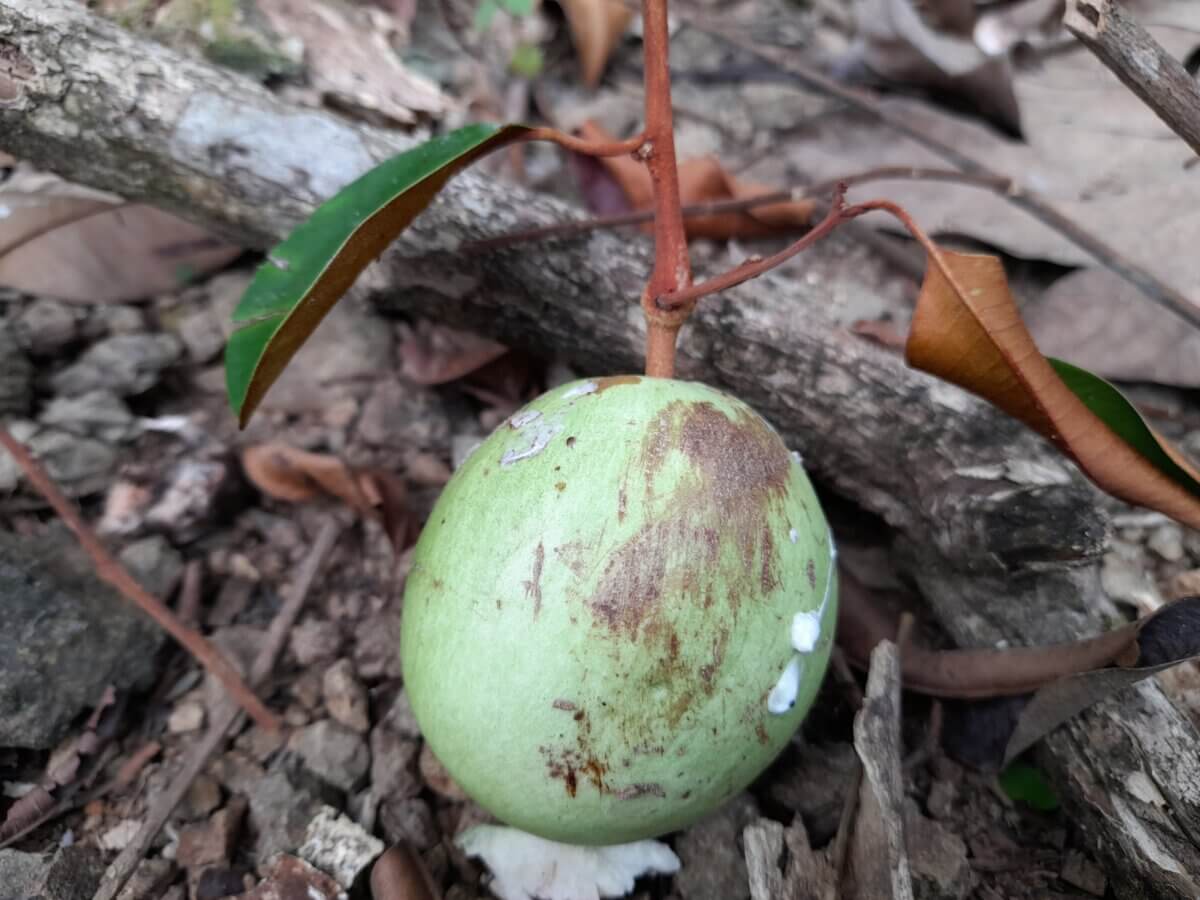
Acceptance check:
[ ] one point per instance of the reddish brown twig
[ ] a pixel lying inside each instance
(223, 718)
(672, 268)
(755, 266)
(111, 571)
(587, 148)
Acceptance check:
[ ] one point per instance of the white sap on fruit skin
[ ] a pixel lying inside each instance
(783, 695)
(543, 431)
(805, 632)
(588, 387)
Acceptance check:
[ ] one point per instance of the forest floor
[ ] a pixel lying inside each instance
(124, 402)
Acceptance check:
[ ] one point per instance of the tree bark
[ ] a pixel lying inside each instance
(1003, 537)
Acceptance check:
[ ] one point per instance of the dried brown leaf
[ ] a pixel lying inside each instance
(966, 329)
(436, 354)
(287, 473)
(596, 28)
(704, 180)
(400, 874)
(351, 60)
(75, 244)
(1101, 322)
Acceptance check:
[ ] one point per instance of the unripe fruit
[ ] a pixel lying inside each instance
(620, 609)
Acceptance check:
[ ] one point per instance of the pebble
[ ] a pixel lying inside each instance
(46, 326)
(345, 697)
(101, 414)
(937, 857)
(332, 752)
(337, 845)
(16, 374)
(1166, 542)
(408, 819)
(315, 640)
(186, 717)
(124, 364)
(393, 764)
(211, 843)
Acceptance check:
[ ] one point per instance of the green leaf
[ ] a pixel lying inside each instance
(309, 272)
(518, 7)
(484, 14)
(1110, 405)
(1027, 784)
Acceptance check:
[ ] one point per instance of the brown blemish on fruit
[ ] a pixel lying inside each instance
(438, 584)
(622, 502)
(573, 555)
(533, 587)
(811, 571)
(560, 486)
(634, 791)
(708, 671)
(571, 441)
(570, 764)
(761, 732)
(612, 381)
(564, 704)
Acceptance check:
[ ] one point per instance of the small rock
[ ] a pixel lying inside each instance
(1167, 542)
(124, 364)
(194, 496)
(279, 814)
(437, 778)
(1079, 871)
(292, 879)
(154, 563)
(941, 799)
(336, 845)
(393, 765)
(73, 874)
(124, 509)
(21, 873)
(1184, 584)
(233, 598)
(211, 843)
(307, 688)
(239, 644)
(377, 646)
(408, 819)
(259, 743)
(66, 635)
(713, 865)
(149, 880)
(400, 717)
(16, 375)
(815, 786)
(938, 858)
(345, 697)
(202, 335)
(187, 716)
(114, 318)
(119, 836)
(218, 884)
(333, 753)
(46, 326)
(100, 414)
(203, 796)
(398, 414)
(79, 465)
(314, 640)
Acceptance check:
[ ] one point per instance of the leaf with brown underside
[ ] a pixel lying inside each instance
(704, 180)
(1020, 694)
(966, 329)
(436, 354)
(597, 26)
(297, 476)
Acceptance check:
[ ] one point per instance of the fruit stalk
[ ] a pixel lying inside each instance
(672, 268)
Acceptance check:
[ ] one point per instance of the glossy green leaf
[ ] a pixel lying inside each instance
(310, 271)
(1111, 407)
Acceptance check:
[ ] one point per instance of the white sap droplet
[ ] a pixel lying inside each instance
(794, 535)
(806, 630)
(521, 419)
(787, 688)
(797, 458)
(579, 390)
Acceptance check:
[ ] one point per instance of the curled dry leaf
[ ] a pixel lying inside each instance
(596, 28)
(400, 874)
(704, 180)
(72, 243)
(966, 329)
(287, 473)
(436, 354)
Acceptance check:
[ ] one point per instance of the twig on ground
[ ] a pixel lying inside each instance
(223, 718)
(1132, 54)
(1149, 284)
(111, 571)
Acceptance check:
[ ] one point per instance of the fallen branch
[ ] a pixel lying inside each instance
(1132, 54)
(110, 570)
(223, 719)
(1002, 536)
